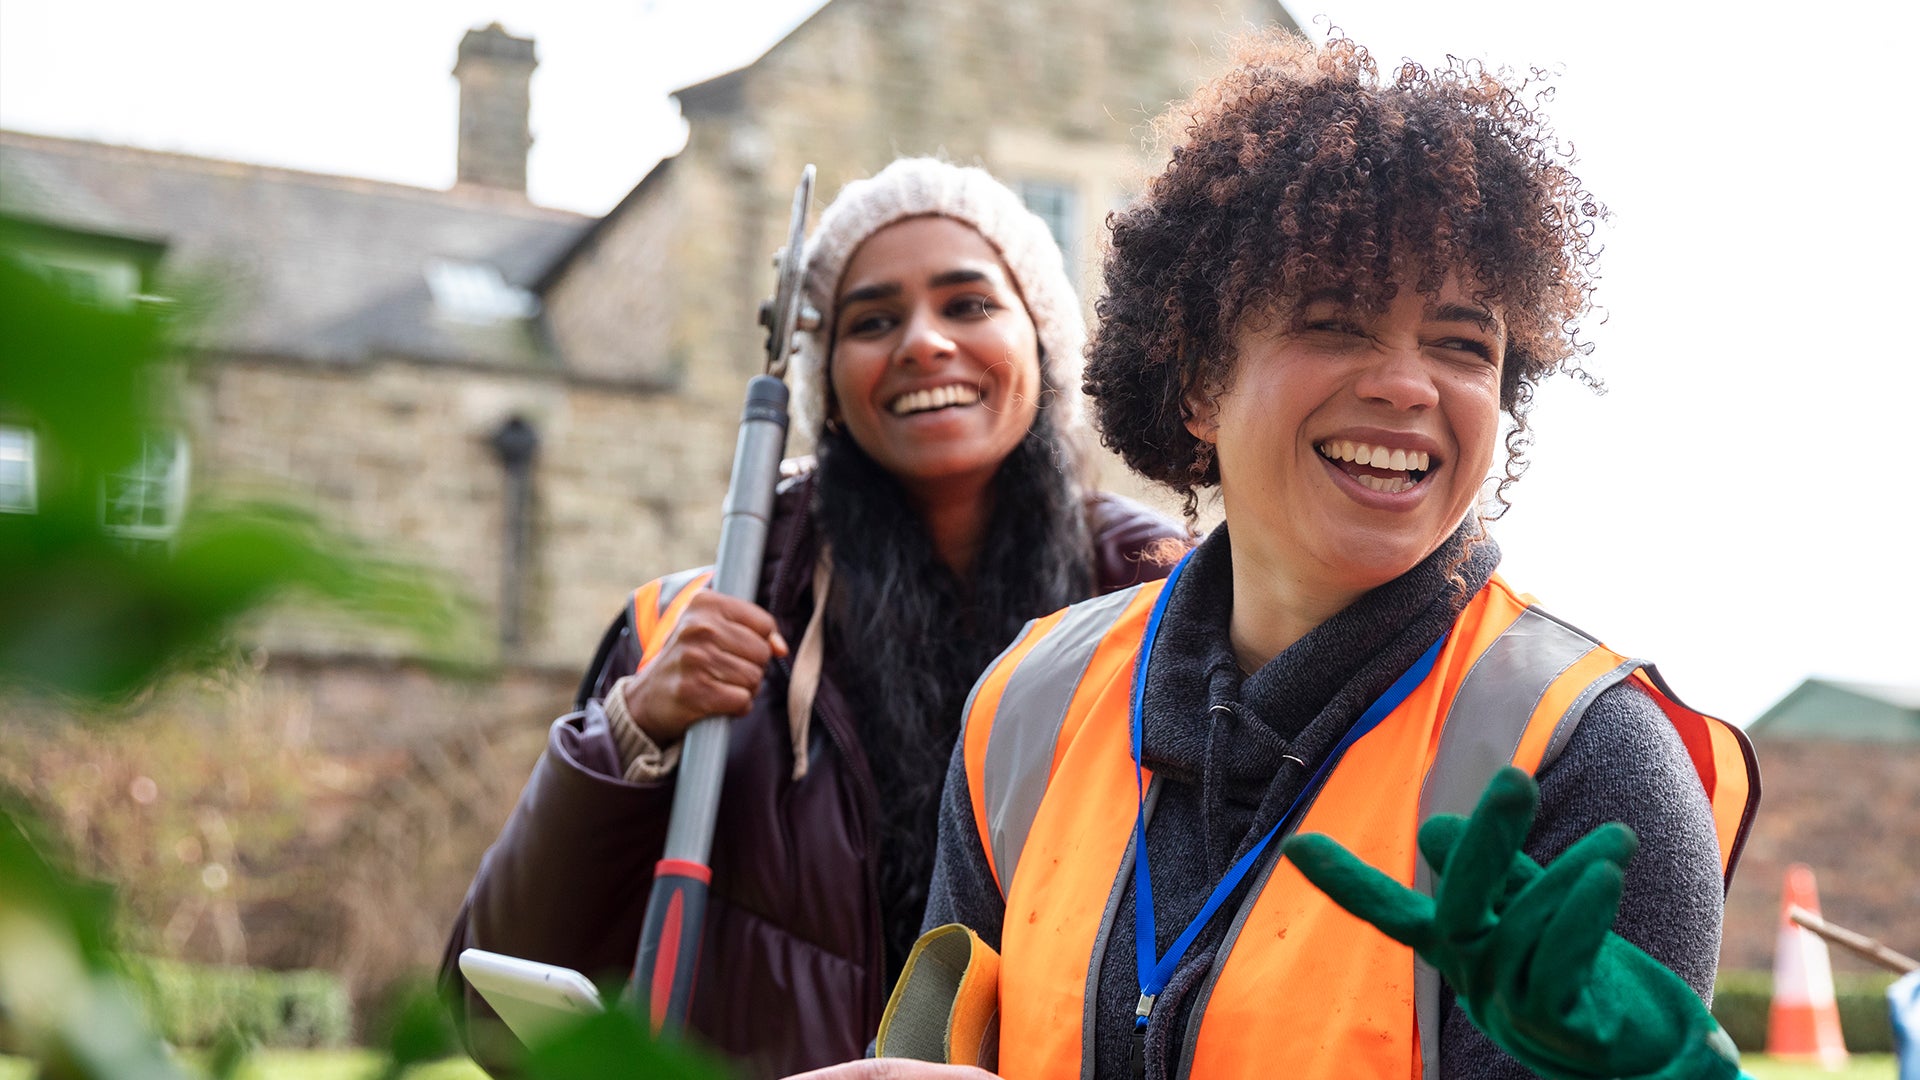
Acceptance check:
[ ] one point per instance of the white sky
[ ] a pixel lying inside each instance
(1734, 507)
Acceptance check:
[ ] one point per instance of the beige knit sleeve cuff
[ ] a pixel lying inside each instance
(641, 759)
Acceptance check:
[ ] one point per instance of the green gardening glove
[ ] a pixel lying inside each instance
(1529, 952)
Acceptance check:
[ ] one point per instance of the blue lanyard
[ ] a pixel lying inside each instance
(1154, 974)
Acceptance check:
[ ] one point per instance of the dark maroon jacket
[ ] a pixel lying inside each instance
(791, 970)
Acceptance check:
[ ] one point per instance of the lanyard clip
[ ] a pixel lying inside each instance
(1137, 1052)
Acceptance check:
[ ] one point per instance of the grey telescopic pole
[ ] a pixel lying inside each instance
(743, 543)
(669, 953)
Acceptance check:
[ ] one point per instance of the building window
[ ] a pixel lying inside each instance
(18, 492)
(477, 293)
(86, 286)
(1057, 204)
(146, 500)
(100, 280)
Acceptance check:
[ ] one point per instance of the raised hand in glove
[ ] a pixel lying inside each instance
(1529, 952)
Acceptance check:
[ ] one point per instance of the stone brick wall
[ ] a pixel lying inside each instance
(625, 484)
(613, 316)
(1851, 811)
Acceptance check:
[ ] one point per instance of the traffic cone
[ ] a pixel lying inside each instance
(1804, 1022)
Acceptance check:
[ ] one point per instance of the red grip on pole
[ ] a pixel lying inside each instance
(684, 868)
(670, 942)
(665, 963)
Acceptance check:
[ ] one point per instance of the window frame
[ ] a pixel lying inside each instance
(113, 279)
(30, 442)
(1064, 224)
(173, 488)
(476, 293)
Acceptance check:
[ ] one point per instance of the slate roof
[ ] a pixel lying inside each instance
(1900, 697)
(314, 267)
(1844, 710)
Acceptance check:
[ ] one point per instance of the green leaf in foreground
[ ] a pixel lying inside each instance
(614, 1045)
(421, 1033)
(58, 987)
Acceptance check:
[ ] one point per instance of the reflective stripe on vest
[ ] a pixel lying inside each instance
(658, 605)
(1044, 666)
(1510, 685)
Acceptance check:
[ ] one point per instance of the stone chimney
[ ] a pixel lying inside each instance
(494, 70)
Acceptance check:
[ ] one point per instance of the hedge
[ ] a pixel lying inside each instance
(192, 1005)
(1741, 1000)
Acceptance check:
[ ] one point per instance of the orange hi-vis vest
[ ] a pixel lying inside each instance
(1300, 988)
(658, 605)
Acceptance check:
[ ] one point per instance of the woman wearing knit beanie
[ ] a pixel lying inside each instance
(946, 509)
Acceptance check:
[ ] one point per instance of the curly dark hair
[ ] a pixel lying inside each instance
(1300, 170)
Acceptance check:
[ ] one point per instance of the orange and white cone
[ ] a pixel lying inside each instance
(1804, 1022)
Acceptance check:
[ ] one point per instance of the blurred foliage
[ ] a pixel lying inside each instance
(248, 818)
(1858, 1067)
(88, 616)
(418, 1033)
(200, 1005)
(614, 1044)
(64, 1000)
(1741, 1000)
(225, 842)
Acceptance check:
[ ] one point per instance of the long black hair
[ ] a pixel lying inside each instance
(913, 635)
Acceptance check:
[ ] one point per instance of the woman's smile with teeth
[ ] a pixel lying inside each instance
(1379, 468)
(936, 397)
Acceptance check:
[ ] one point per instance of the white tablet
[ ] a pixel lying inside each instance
(533, 998)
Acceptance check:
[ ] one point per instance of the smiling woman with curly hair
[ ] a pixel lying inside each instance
(1323, 306)
(1301, 173)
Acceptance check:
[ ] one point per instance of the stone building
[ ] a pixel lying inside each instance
(538, 403)
(1840, 762)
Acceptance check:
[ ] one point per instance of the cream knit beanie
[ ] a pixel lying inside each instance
(916, 187)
